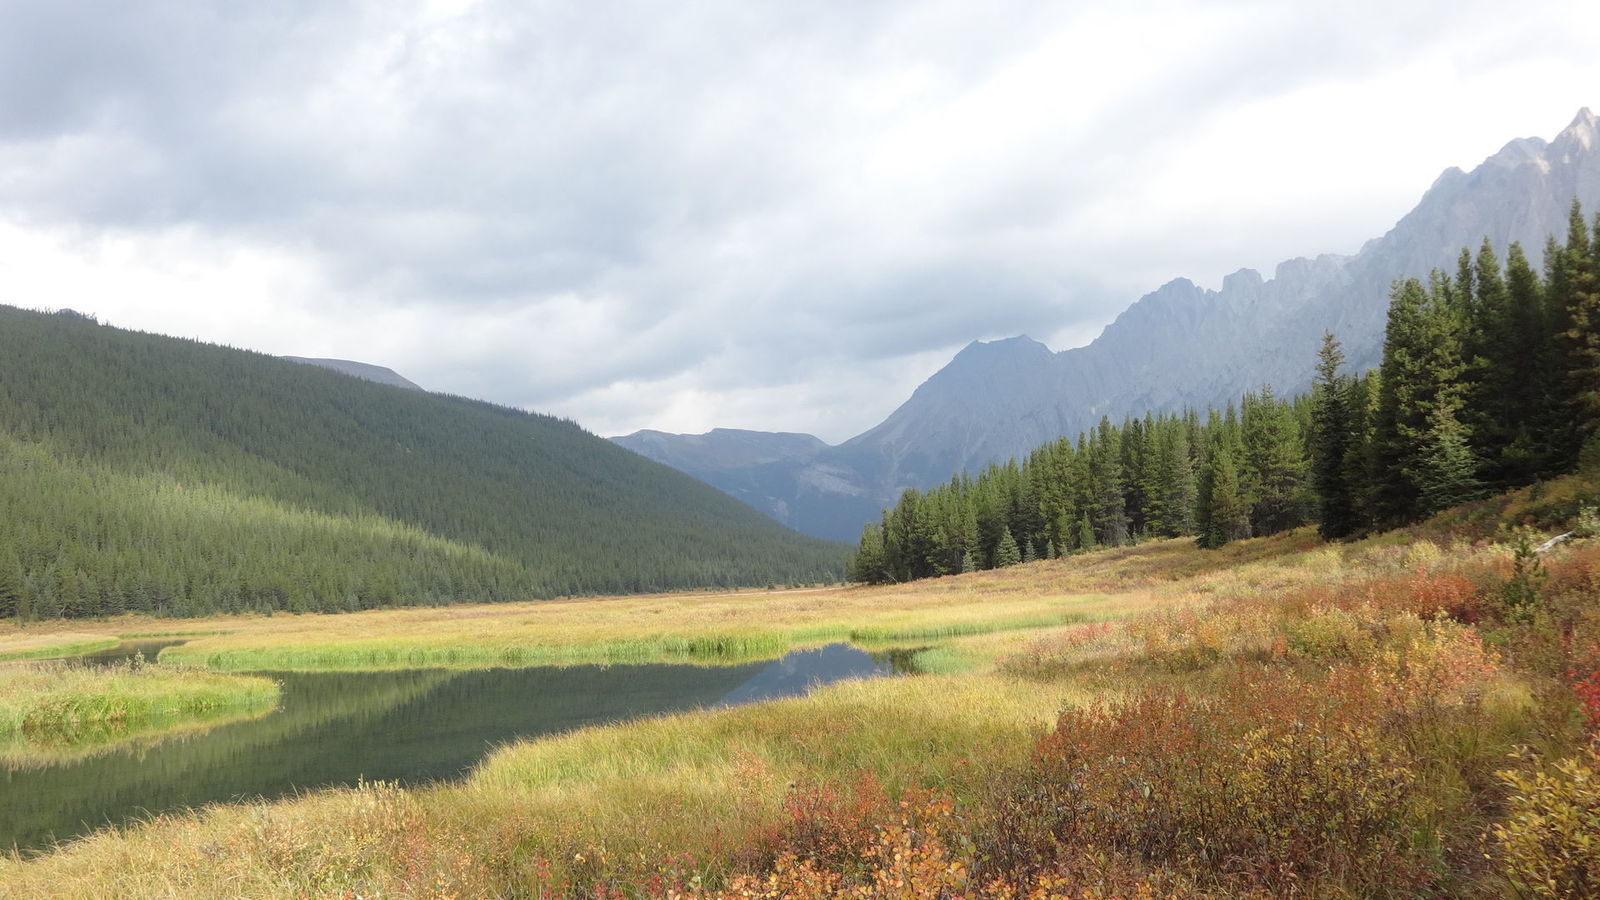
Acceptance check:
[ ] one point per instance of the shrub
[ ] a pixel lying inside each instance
(1550, 842)
(1261, 787)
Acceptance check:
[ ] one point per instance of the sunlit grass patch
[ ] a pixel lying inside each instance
(54, 711)
(26, 645)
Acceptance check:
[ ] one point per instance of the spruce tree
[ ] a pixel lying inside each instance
(1420, 373)
(1085, 538)
(1578, 296)
(1224, 516)
(1274, 470)
(870, 565)
(1007, 554)
(1331, 439)
(1449, 470)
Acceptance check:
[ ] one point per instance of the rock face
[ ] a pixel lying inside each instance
(380, 374)
(1179, 346)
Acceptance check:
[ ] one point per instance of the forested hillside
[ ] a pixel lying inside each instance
(1490, 379)
(144, 473)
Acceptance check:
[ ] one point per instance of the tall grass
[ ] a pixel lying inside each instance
(49, 711)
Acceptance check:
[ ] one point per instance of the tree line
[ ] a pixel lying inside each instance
(1490, 379)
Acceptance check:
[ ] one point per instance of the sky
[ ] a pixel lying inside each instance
(776, 215)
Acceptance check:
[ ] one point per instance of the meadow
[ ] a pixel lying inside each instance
(1405, 716)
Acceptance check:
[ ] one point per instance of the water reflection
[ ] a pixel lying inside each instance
(409, 726)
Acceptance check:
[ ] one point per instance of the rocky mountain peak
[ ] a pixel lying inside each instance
(1582, 135)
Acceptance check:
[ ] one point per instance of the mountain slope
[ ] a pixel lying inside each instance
(149, 473)
(1183, 345)
(380, 374)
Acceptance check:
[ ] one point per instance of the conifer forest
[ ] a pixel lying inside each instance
(1490, 380)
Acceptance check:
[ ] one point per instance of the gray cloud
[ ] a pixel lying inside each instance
(772, 215)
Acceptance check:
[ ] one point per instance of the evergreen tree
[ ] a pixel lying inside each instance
(1085, 537)
(1331, 443)
(1577, 302)
(1274, 469)
(871, 564)
(1007, 554)
(1420, 373)
(1223, 515)
(1449, 471)
(10, 590)
(1107, 505)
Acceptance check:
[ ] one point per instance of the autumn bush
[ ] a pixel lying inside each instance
(1258, 787)
(1549, 843)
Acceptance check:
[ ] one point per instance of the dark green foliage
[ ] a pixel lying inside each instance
(1274, 471)
(1332, 441)
(1448, 471)
(1223, 514)
(1112, 486)
(1575, 301)
(1420, 376)
(1528, 575)
(146, 474)
(1006, 554)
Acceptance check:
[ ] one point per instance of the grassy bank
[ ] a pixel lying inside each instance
(698, 628)
(50, 711)
(49, 645)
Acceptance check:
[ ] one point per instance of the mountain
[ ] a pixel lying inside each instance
(380, 374)
(146, 473)
(781, 474)
(1181, 345)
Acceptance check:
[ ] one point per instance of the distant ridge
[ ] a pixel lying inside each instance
(1180, 345)
(143, 473)
(380, 374)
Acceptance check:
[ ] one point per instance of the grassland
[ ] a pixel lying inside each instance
(52, 711)
(48, 645)
(1279, 718)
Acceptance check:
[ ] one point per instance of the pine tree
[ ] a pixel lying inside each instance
(1223, 516)
(1577, 289)
(1331, 440)
(870, 565)
(1085, 537)
(967, 563)
(1449, 470)
(1107, 504)
(1007, 554)
(1274, 464)
(1420, 373)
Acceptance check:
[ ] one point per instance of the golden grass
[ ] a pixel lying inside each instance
(709, 628)
(54, 711)
(46, 645)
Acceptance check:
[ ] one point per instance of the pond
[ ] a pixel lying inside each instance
(410, 726)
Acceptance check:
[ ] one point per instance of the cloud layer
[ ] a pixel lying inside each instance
(777, 215)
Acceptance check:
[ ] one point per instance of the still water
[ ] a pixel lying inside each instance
(409, 726)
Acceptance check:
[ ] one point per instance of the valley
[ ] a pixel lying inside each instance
(701, 802)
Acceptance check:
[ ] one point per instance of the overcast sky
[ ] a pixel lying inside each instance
(728, 212)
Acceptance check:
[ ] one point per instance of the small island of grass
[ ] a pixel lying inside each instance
(50, 707)
(47, 646)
